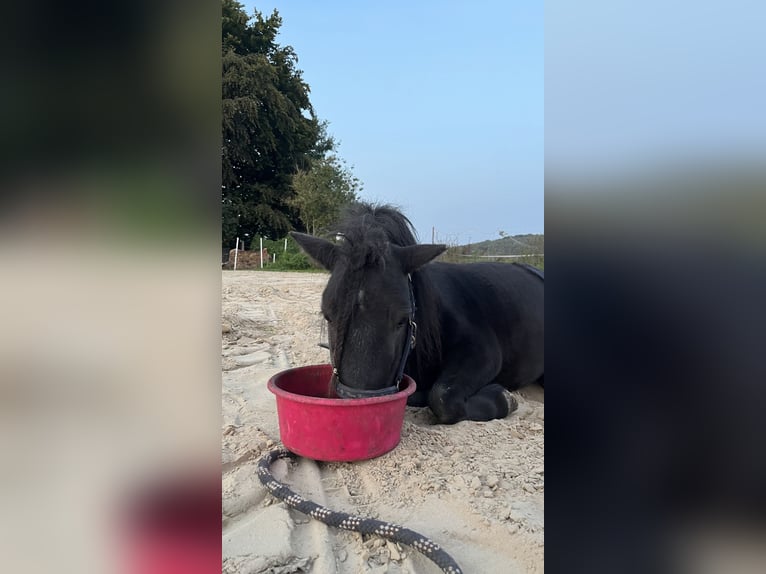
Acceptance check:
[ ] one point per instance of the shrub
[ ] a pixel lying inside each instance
(291, 260)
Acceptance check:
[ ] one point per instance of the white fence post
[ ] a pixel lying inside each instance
(236, 250)
(261, 256)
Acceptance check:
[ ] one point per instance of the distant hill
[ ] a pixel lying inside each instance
(530, 244)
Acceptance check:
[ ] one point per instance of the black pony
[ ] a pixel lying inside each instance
(466, 333)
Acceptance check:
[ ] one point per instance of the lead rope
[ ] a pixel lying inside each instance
(393, 532)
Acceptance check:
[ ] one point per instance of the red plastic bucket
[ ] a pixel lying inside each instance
(314, 424)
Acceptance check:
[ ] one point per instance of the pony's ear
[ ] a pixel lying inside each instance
(414, 256)
(320, 250)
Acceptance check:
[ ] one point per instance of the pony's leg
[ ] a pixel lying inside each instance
(455, 397)
(491, 402)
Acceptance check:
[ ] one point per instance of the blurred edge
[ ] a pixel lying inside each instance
(655, 383)
(109, 261)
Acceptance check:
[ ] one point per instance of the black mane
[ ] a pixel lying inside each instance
(367, 230)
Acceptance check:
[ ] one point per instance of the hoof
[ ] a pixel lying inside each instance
(511, 400)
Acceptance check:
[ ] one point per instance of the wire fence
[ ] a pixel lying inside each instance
(285, 255)
(456, 255)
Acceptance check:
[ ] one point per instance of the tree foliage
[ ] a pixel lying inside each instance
(269, 127)
(322, 190)
(279, 168)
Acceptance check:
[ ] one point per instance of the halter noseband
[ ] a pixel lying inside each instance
(346, 392)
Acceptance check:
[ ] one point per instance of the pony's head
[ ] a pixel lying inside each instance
(368, 302)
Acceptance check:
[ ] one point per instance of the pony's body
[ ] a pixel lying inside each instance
(479, 326)
(491, 326)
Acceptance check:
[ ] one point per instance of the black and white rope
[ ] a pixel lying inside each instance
(392, 532)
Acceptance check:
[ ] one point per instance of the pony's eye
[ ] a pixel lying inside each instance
(402, 322)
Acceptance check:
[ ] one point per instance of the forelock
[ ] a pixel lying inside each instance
(364, 250)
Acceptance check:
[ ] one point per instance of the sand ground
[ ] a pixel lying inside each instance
(477, 489)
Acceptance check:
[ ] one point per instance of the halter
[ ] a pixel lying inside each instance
(346, 392)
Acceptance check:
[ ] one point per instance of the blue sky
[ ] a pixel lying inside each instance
(438, 105)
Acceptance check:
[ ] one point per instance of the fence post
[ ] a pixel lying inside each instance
(236, 250)
(261, 256)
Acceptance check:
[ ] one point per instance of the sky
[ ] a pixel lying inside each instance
(437, 105)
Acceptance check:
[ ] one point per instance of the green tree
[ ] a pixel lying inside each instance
(269, 130)
(322, 190)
